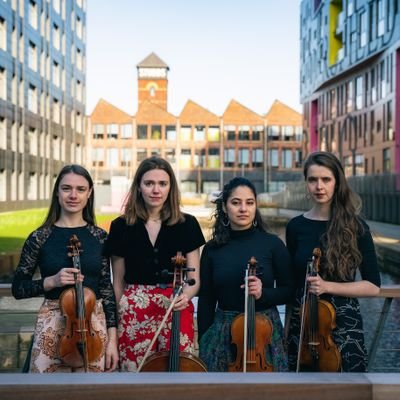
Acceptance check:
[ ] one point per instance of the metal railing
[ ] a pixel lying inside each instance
(24, 329)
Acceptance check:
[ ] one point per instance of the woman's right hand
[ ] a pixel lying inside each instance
(64, 277)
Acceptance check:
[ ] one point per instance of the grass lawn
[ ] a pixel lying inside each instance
(17, 225)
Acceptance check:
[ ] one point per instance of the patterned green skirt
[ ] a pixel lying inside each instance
(217, 351)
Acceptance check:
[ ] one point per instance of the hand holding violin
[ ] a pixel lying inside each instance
(255, 286)
(317, 285)
(182, 302)
(64, 277)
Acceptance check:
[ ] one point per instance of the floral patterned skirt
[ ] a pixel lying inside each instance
(141, 310)
(50, 327)
(217, 351)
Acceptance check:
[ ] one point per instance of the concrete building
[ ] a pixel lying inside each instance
(205, 149)
(42, 96)
(350, 82)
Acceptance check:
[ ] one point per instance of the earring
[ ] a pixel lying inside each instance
(255, 223)
(225, 220)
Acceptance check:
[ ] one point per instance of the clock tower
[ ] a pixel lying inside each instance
(152, 81)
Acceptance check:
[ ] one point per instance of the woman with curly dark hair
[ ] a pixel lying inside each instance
(333, 225)
(238, 235)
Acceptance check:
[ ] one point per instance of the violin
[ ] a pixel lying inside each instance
(81, 344)
(317, 350)
(173, 360)
(251, 333)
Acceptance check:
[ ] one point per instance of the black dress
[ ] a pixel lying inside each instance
(302, 236)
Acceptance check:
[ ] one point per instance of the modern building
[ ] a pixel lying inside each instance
(350, 82)
(42, 96)
(205, 149)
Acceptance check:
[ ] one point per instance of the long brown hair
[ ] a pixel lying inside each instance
(55, 209)
(135, 208)
(341, 254)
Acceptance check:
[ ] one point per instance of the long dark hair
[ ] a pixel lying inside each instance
(221, 229)
(134, 205)
(342, 256)
(55, 209)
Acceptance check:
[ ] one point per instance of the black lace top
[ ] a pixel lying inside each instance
(46, 250)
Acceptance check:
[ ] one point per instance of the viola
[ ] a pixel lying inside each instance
(251, 332)
(317, 350)
(81, 344)
(173, 360)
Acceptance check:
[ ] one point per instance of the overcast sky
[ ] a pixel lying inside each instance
(217, 50)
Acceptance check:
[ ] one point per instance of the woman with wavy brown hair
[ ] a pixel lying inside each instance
(142, 243)
(333, 225)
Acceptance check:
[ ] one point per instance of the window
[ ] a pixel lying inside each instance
(79, 59)
(56, 6)
(382, 79)
(33, 141)
(363, 29)
(142, 132)
(244, 133)
(32, 98)
(186, 133)
(112, 157)
(287, 158)
(3, 133)
(56, 37)
(126, 131)
(156, 132)
(126, 157)
(185, 159)
(349, 96)
(3, 34)
(33, 14)
(244, 157)
(170, 156)
(288, 132)
(213, 158)
(359, 93)
(257, 131)
(112, 131)
(229, 157)
(298, 158)
(230, 132)
(258, 158)
(3, 185)
(3, 84)
(273, 132)
(170, 132)
(56, 110)
(79, 90)
(386, 167)
(141, 154)
(373, 86)
(56, 148)
(199, 133)
(213, 134)
(32, 56)
(56, 74)
(79, 27)
(98, 131)
(381, 17)
(273, 157)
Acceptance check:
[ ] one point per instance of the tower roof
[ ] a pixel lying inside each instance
(152, 61)
(280, 113)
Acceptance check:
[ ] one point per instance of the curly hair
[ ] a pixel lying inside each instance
(221, 229)
(341, 254)
(135, 207)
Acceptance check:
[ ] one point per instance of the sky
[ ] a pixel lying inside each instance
(217, 50)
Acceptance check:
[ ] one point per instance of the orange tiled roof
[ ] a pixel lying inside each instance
(150, 113)
(193, 113)
(281, 114)
(237, 114)
(106, 113)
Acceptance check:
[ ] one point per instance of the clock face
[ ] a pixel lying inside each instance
(152, 72)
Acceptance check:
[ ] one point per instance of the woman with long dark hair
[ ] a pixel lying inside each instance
(333, 225)
(238, 235)
(71, 212)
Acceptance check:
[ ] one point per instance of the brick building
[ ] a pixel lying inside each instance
(205, 149)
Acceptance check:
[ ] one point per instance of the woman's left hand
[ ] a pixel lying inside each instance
(182, 302)
(255, 286)
(316, 285)
(112, 355)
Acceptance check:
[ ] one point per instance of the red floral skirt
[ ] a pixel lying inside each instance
(141, 310)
